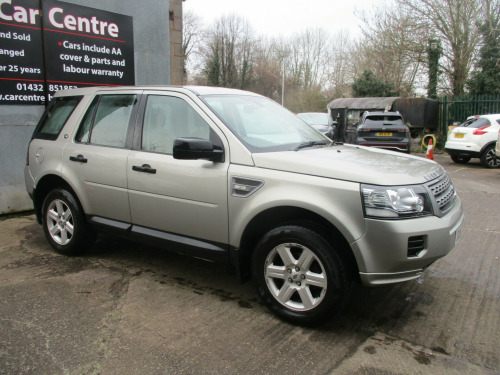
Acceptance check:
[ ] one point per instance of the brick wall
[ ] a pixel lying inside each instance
(176, 53)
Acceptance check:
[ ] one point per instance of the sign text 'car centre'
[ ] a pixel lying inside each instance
(69, 46)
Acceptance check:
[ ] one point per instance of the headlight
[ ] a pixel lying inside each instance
(395, 202)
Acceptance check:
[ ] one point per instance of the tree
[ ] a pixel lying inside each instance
(341, 66)
(192, 29)
(486, 80)
(393, 47)
(454, 22)
(434, 52)
(228, 53)
(368, 85)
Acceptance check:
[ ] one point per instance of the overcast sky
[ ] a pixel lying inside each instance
(285, 17)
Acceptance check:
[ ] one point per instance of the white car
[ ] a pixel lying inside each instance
(475, 138)
(497, 150)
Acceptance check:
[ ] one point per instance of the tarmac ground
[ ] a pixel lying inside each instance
(125, 308)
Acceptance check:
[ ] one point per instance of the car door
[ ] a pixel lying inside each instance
(96, 161)
(182, 197)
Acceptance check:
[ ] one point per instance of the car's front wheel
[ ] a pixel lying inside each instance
(64, 223)
(299, 275)
(489, 159)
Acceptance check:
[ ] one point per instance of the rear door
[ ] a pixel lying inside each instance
(96, 161)
(181, 197)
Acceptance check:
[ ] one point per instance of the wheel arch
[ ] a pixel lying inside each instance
(289, 215)
(486, 146)
(46, 184)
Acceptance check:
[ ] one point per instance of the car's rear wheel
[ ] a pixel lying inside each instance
(64, 223)
(299, 276)
(460, 159)
(489, 159)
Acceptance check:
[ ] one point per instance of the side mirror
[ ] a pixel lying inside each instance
(355, 124)
(196, 148)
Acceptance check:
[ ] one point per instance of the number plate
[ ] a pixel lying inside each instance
(384, 134)
(459, 135)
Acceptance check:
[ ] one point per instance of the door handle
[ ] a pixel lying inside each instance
(146, 168)
(79, 158)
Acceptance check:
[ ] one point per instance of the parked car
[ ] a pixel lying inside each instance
(475, 138)
(497, 150)
(320, 121)
(231, 176)
(385, 130)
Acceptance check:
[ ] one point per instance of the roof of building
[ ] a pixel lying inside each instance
(363, 103)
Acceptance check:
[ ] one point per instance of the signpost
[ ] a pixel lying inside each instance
(74, 46)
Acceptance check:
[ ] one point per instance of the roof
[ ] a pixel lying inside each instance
(363, 103)
(197, 90)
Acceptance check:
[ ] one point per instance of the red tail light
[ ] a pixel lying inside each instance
(481, 131)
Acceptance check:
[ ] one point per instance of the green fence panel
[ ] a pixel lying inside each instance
(455, 109)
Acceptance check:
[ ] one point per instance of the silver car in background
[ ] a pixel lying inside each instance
(322, 122)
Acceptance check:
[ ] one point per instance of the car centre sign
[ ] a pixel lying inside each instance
(70, 46)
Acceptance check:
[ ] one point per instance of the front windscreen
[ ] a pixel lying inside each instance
(262, 124)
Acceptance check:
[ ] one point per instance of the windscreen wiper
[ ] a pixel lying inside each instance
(309, 144)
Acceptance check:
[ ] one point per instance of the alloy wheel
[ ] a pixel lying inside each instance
(60, 222)
(295, 276)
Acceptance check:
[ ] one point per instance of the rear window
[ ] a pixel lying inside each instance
(371, 120)
(476, 123)
(55, 116)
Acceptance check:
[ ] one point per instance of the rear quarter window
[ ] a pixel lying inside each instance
(55, 116)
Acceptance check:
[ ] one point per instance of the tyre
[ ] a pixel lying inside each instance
(64, 223)
(489, 159)
(460, 159)
(299, 276)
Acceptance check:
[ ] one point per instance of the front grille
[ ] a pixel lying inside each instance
(443, 192)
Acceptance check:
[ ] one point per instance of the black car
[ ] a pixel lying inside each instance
(384, 130)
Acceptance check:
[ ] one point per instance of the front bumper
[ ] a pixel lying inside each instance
(382, 252)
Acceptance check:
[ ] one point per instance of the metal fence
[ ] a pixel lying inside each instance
(456, 109)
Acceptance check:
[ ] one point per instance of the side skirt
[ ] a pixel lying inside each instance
(172, 242)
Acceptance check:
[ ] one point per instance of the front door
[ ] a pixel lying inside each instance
(181, 197)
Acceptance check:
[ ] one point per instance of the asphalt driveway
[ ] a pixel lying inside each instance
(125, 308)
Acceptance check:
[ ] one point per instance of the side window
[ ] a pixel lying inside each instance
(167, 118)
(56, 116)
(83, 134)
(106, 121)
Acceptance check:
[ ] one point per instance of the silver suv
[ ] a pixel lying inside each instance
(231, 176)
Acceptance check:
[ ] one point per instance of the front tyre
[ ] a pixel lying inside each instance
(299, 276)
(64, 223)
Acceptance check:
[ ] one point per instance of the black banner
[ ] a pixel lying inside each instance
(21, 53)
(86, 47)
(80, 47)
